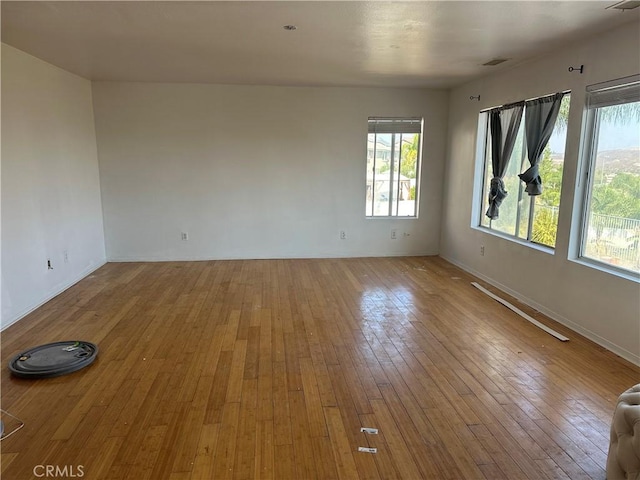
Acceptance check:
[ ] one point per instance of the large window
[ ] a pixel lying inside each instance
(611, 217)
(528, 212)
(393, 167)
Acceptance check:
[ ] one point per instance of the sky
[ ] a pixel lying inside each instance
(612, 137)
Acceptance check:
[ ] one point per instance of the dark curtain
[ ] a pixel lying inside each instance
(539, 119)
(504, 124)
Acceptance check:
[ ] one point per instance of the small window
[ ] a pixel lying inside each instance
(526, 213)
(393, 167)
(611, 221)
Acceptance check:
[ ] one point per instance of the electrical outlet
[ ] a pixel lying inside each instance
(482, 250)
(343, 235)
(184, 236)
(394, 234)
(65, 255)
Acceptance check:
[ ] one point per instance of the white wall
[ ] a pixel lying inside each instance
(599, 305)
(254, 171)
(50, 186)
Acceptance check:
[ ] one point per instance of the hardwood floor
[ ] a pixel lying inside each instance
(269, 368)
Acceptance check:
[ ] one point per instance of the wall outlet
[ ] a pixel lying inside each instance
(343, 235)
(482, 250)
(394, 234)
(65, 255)
(184, 236)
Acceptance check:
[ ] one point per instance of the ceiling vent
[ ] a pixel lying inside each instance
(625, 5)
(494, 62)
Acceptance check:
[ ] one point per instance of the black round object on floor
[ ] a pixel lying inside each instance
(53, 359)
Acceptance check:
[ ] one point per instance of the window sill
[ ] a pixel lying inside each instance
(520, 241)
(606, 268)
(380, 217)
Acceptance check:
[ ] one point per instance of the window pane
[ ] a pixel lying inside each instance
(545, 217)
(392, 173)
(371, 141)
(395, 177)
(613, 212)
(506, 222)
(378, 173)
(408, 170)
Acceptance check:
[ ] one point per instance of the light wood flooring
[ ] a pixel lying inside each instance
(269, 368)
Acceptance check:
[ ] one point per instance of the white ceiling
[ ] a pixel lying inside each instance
(355, 43)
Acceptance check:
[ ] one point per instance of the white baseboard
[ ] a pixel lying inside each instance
(54, 294)
(594, 337)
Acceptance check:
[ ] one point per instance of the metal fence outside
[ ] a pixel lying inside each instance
(614, 240)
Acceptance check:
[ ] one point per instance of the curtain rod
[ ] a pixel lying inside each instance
(527, 100)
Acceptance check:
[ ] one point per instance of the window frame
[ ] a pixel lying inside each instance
(483, 160)
(584, 185)
(393, 131)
